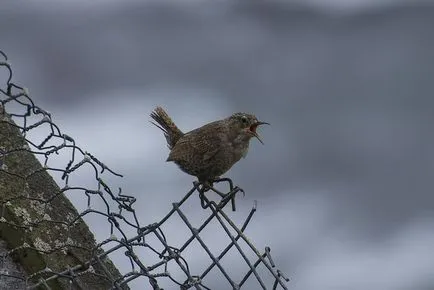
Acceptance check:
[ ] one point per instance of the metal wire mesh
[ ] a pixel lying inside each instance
(128, 237)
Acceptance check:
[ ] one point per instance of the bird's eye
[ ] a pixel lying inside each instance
(244, 119)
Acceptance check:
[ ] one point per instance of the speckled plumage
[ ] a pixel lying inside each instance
(211, 150)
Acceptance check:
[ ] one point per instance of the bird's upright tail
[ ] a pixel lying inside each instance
(165, 123)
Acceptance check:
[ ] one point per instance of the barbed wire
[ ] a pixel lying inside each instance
(127, 236)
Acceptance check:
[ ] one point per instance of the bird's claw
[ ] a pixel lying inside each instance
(204, 186)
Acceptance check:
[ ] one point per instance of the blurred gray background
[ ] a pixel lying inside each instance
(344, 183)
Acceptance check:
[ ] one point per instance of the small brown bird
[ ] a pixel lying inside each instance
(211, 150)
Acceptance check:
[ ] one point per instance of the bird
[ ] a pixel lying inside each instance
(212, 149)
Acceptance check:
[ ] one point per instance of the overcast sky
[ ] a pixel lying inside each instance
(344, 181)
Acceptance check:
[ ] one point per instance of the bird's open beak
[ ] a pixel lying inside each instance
(253, 129)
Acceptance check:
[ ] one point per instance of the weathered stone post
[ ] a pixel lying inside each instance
(43, 239)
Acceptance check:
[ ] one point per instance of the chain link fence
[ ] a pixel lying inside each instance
(47, 236)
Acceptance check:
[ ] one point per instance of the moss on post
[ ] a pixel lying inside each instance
(41, 227)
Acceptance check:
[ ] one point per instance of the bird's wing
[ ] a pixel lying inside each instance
(196, 145)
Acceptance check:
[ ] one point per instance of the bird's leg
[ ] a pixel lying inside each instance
(201, 187)
(232, 189)
(204, 186)
(209, 186)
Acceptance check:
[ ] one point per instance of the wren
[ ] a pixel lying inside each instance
(211, 150)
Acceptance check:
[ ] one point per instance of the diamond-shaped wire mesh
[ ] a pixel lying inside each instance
(41, 227)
